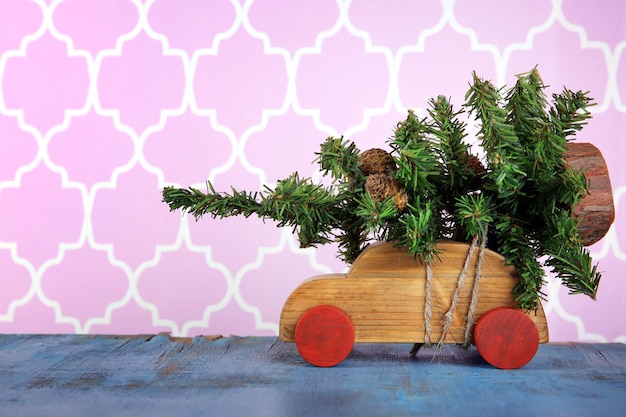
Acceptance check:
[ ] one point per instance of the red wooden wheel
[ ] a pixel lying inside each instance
(324, 336)
(506, 338)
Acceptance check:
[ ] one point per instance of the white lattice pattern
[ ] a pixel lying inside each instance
(102, 103)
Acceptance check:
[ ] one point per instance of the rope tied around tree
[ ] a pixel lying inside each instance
(469, 327)
(449, 316)
(427, 305)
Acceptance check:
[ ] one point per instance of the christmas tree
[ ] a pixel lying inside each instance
(428, 186)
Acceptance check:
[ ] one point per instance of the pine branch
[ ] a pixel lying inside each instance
(519, 250)
(310, 209)
(525, 106)
(569, 112)
(449, 131)
(475, 214)
(197, 203)
(417, 164)
(352, 236)
(567, 257)
(416, 230)
(376, 215)
(340, 158)
(576, 271)
(409, 131)
(498, 137)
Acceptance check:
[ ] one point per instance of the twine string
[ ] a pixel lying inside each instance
(469, 328)
(448, 317)
(427, 305)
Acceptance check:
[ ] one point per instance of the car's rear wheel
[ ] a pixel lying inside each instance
(324, 336)
(506, 338)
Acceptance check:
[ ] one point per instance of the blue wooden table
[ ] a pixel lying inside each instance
(78, 375)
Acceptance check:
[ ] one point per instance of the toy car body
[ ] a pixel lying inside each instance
(383, 299)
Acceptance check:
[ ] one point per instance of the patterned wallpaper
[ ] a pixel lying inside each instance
(102, 103)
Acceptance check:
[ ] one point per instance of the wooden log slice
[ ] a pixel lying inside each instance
(596, 211)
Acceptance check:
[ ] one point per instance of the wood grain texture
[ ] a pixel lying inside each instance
(596, 211)
(383, 293)
(79, 375)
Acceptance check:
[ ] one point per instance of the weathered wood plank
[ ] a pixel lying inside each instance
(157, 376)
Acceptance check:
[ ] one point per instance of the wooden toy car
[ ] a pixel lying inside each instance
(526, 191)
(383, 298)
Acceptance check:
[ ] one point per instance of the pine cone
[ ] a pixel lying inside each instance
(376, 161)
(382, 186)
(473, 163)
(401, 199)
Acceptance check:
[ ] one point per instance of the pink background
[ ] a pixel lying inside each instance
(102, 103)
